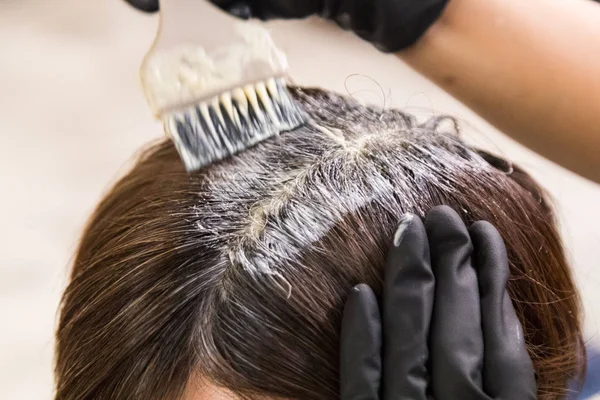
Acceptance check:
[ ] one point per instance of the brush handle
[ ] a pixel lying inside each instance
(201, 52)
(195, 21)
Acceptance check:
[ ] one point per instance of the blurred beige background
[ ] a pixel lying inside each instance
(72, 114)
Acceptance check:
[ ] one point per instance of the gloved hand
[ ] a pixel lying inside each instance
(391, 25)
(144, 5)
(447, 329)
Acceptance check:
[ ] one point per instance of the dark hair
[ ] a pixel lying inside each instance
(237, 274)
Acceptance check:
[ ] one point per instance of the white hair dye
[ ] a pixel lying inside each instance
(269, 205)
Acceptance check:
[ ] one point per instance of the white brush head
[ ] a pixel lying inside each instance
(201, 52)
(216, 82)
(232, 122)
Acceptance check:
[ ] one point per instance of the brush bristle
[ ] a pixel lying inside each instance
(212, 131)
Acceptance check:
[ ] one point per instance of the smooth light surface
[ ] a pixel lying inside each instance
(72, 114)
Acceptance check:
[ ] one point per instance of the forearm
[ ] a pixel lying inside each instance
(531, 68)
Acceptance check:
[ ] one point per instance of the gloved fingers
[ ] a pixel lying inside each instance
(341, 11)
(360, 356)
(237, 8)
(456, 341)
(407, 305)
(287, 9)
(508, 370)
(144, 5)
(389, 24)
(271, 9)
(240, 9)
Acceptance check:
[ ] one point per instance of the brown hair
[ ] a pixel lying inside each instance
(238, 273)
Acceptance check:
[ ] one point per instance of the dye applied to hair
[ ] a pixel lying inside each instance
(238, 274)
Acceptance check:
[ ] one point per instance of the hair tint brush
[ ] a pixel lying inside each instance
(217, 83)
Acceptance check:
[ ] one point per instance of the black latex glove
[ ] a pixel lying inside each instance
(391, 25)
(144, 5)
(444, 302)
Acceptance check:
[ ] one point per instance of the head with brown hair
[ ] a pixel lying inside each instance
(235, 276)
